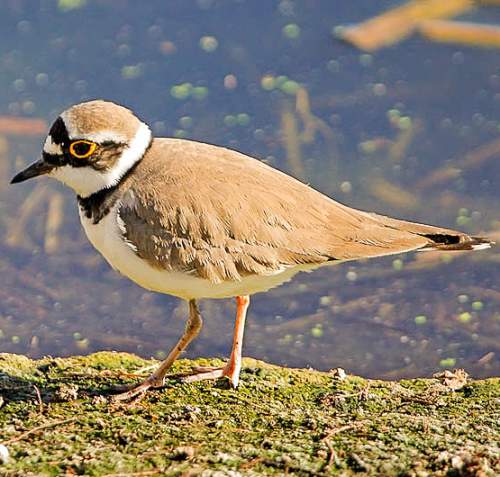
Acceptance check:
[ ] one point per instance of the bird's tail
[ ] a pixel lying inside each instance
(437, 237)
(458, 241)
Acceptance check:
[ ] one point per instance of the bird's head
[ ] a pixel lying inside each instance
(90, 147)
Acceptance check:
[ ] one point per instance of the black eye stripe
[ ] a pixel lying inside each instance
(54, 159)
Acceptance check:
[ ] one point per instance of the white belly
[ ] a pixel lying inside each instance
(107, 237)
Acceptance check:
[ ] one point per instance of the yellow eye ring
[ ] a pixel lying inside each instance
(82, 149)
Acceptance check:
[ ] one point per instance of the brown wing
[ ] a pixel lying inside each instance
(222, 215)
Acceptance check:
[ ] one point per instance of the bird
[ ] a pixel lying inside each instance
(199, 221)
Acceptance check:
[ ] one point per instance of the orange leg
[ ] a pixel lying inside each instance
(193, 327)
(233, 367)
(192, 330)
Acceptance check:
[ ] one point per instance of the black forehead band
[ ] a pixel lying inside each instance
(58, 132)
(59, 135)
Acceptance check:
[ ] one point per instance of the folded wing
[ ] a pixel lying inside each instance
(221, 215)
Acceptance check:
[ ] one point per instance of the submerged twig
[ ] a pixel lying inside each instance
(54, 220)
(472, 160)
(22, 126)
(291, 141)
(396, 24)
(16, 234)
(465, 33)
(392, 194)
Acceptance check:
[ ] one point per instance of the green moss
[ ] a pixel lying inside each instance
(279, 421)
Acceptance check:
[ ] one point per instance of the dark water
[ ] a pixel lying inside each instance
(383, 124)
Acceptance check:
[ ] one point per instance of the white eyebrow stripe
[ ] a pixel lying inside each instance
(50, 147)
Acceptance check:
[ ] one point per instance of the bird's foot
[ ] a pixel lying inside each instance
(206, 372)
(137, 392)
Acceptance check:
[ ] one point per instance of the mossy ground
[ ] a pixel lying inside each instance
(278, 422)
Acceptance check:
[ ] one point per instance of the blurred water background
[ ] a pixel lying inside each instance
(411, 130)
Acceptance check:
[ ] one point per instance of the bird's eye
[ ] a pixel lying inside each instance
(82, 149)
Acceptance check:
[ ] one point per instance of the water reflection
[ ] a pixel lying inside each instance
(411, 131)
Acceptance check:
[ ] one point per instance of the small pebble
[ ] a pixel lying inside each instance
(4, 454)
(67, 392)
(98, 400)
(338, 374)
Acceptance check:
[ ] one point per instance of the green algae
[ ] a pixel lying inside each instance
(55, 420)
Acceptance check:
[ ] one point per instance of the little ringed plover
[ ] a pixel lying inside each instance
(199, 221)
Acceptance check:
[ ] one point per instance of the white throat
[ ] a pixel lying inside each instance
(85, 181)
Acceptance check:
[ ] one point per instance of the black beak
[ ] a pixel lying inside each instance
(36, 169)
